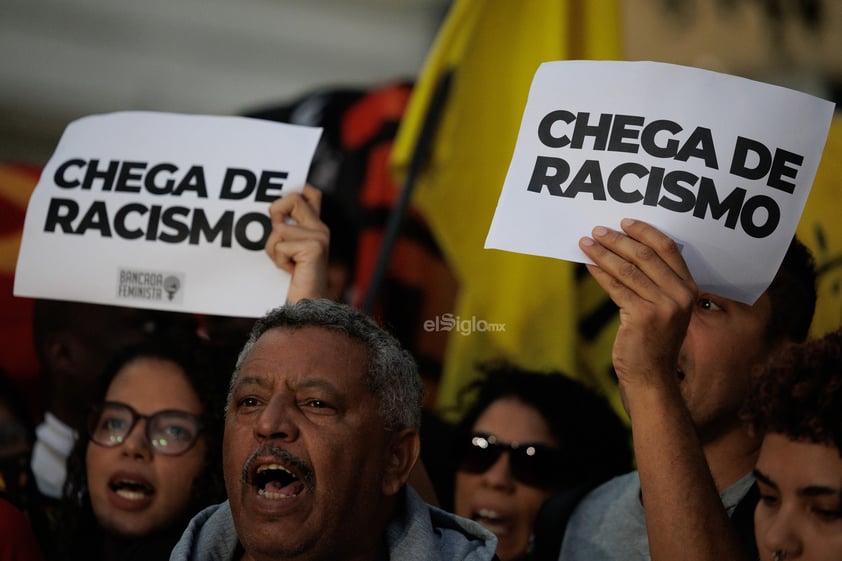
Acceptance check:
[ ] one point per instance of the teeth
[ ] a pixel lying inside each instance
(130, 495)
(131, 489)
(266, 467)
(275, 496)
(269, 479)
(490, 514)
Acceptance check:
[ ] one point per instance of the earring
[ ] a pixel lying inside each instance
(779, 555)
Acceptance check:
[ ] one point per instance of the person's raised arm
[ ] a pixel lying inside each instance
(643, 272)
(299, 243)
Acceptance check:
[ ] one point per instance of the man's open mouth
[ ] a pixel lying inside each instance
(277, 474)
(274, 481)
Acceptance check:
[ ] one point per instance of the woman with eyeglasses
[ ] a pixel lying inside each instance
(526, 437)
(150, 458)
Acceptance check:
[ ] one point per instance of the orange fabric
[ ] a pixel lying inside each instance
(17, 354)
(418, 285)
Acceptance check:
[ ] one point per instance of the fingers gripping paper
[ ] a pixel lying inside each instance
(722, 164)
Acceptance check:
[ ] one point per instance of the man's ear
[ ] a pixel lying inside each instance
(404, 447)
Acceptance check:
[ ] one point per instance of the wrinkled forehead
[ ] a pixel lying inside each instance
(311, 352)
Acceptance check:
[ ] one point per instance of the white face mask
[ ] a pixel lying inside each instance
(49, 455)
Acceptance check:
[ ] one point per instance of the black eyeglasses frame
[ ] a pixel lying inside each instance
(96, 415)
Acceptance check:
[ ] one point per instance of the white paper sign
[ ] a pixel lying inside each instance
(721, 164)
(163, 211)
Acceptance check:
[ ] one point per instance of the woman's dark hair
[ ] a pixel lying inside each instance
(792, 295)
(799, 393)
(79, 533)
(594, 440)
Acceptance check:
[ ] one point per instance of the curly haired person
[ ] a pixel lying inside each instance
(797, 406)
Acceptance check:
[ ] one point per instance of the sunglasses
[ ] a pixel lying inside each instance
(538, 465)
(171, 432)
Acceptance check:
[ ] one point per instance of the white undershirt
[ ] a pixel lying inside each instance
(53, 444)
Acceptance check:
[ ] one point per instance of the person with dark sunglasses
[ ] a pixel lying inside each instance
(526, 437)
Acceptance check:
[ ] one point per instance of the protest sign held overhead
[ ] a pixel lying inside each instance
(721, 164)
(163, 211)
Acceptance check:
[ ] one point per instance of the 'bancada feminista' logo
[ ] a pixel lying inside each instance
(151, 286)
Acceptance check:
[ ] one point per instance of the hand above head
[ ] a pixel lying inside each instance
(643, 272)
(299, 243)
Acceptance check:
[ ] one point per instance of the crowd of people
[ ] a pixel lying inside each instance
(312, 448)
(304, 435)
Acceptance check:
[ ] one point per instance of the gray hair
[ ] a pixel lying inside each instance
(392, 375)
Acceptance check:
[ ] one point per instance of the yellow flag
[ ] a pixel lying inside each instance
(820, 229)
(537, 312)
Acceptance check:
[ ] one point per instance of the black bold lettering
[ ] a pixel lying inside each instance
(545, 128)
(95, 219)
(615, 182)
(780, 169)
(152, 224)
(61, 212)
(739, 164)
(542, 178)
(587, 180)
(60, 176)
(194, 180)
(747, 216)
(582, 129)
(686, 200)
(241, 230)
(621, 130)
(653, 186)
(648, 140)
(120, 227)
(247, 180)
(708, 200)
(107, 175)
(201, 227)
(157, 186)
(179, 230)
(130, 171)
(699, 145)
(270, 180)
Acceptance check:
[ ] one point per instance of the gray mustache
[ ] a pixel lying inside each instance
(308, 476)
